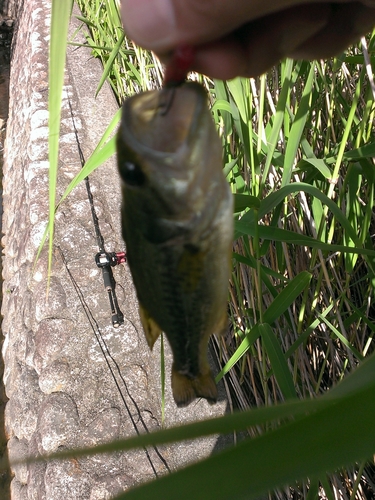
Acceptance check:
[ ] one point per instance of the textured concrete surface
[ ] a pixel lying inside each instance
(71, 378)
(6, 32)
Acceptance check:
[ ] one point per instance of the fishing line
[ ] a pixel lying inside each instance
(104, 260)
(165, 106)
(94, 324)
(175, 74)
(108, 359)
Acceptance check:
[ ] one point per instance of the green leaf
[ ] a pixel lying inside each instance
(61, 10)
(297, 128)
(313, 490)
(98, 157)
(317, 164)
(278, 361)
(243, 201)
(286, 297)
(274, 199)
(222, 105)
(278, 117)
(360, 381)
(251, 336)
(276, 234)
(340, 336)
(366, 151)
(109, 63)
(293, 451)
(277, 308)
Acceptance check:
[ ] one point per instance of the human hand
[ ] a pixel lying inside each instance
(246, 37)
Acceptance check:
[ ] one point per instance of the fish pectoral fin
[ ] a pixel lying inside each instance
(186, 389)
(151, 328)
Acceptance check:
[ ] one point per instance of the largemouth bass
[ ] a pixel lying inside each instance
(177, 222)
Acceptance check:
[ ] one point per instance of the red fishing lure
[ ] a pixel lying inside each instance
(179, 66)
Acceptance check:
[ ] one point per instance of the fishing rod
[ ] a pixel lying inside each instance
(103, 259)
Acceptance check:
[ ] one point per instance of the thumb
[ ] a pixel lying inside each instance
(161, 25)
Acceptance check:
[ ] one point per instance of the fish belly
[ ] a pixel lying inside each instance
(182, 290)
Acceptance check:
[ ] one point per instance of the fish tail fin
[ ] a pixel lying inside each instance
(151, 328)
(186, 389)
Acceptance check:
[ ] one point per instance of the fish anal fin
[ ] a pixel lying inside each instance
(186, 389)
(151, 328)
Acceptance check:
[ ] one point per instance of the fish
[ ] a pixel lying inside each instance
(177, 224)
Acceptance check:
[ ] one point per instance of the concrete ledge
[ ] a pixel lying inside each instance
(63, 391)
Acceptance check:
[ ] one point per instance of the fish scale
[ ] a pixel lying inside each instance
(180, 307)
(177, 222)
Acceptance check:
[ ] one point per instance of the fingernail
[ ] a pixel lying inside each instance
(150, 23)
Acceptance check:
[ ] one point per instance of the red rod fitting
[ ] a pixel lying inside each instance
(121, 257)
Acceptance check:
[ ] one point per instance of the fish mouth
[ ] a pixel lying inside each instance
(163, 121)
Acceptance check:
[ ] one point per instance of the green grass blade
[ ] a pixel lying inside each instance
(251, 336)
(286, 297)
(359, 382)
(111, 127)
(292, 452)
(109, 63)
(317, 163)
(366, 151)
(327, 487)
(276, 234)
(278, 362)
(274, 199)
(341, 337)
(309, 330)
(277, 308)
(61, 10)
(313, 490)
(96, 159)
(264, 272)
(297, 128)
(243, 201)
(278, 118)
(220, 425)
(105, 148)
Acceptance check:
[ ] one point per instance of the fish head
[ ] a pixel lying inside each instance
(169, 154)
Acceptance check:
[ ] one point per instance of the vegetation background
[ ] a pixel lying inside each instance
(298, 152)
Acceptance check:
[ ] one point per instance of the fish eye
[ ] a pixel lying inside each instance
(132, 174)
